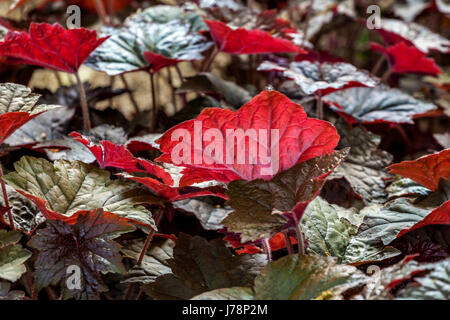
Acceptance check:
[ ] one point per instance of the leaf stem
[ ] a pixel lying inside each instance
(170, 81)
(378, 65)
(289, 246)
(100, 8)
(149, 238)
(207, 66)
(386, 75)
(154, 110)
(84, 105)
(319, 106)
(6, 200)
(130, 93)
(298, 231)
(267, 250)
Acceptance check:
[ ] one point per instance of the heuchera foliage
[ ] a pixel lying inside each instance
(224, 150)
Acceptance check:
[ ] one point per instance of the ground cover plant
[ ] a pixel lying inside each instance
(224, 150)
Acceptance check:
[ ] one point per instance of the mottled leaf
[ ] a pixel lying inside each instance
(314, 77)
(379, 104)
(61, 189)
(12, 256)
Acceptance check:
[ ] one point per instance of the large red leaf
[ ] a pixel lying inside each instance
(405, 59)
(50, 46)
(439, 215)
(300, 139)
(243, 41)
(427, 170)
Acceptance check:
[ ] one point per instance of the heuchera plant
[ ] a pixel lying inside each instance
(224, 150)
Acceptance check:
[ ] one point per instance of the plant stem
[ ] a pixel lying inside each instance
(149, 238)
(84, 105)
(207, 66)
(267, 251)
(100, 8)
(300, 241)
(130, 93)
(6, 200)
(170, 81)
(181, 78)
(289, 247)
(58, 78)
(386, 75)
(319, 106)
(154, 110)
(378, 65)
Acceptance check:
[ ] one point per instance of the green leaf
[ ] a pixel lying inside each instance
(402, 187)
(62, 188)
(331, 231)
(162, 30)
(154, 264)
(297, 277)
(199, 266)
(377, 104)
(85, 242)
(17, 98)
(383, 225)
(365, 166)
(12, 256)
(257, 203)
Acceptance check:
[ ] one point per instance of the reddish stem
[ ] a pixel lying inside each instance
(6, 200)
(84, 104)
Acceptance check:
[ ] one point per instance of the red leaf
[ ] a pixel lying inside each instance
(157, 61)
(300, 139)
(406, 59)
(11, 121)
(50, 46)
(277, 242)
(109, 154)
(176, 193)
(243, 41)
(427, 170)
(439, 215)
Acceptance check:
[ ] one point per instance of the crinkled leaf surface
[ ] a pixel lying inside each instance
(164, 33)
(300, 139)
(365, 166)
(50, 46)
(63, 188)
(12, 256)
(18, 105)
(257, 204)
(199, 266)
(297, 277)
(331, 231)
(394, 31)
(379, 104)
(26, 215)
(427, 170)
(439, 215)
(402, 187)
(85, 240)
(406, 59)
(315, 77)
(383, 226)
(155, 262)
(433, 286)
